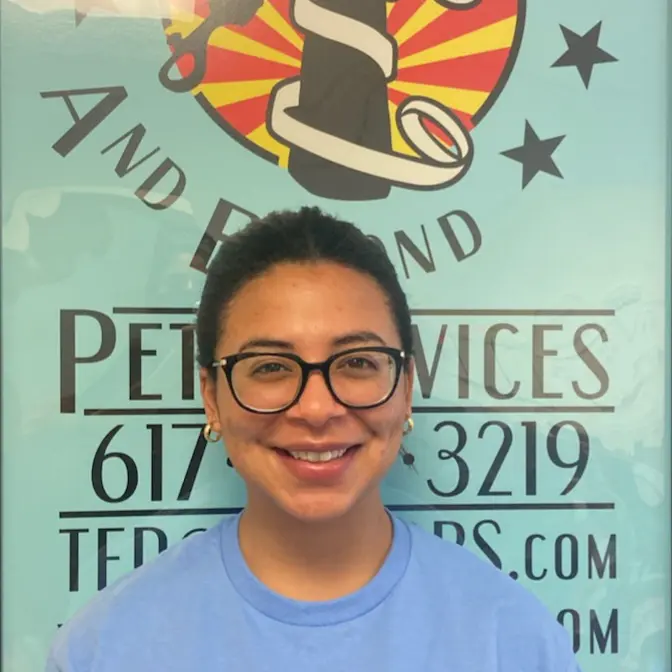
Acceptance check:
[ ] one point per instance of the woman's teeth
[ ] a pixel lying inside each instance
(323, 456)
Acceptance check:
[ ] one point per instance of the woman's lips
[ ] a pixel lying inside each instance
(326, 465)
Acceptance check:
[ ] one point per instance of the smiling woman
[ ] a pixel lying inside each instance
(306, 371)
(308, 331)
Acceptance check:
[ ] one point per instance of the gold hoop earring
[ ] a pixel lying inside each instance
(409, 426)
(207, 433)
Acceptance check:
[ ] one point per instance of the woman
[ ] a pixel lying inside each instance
(304, 345)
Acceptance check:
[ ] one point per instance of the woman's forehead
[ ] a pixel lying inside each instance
(308, 303)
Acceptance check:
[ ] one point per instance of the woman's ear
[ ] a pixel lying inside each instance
(208, 384)
(409, 375)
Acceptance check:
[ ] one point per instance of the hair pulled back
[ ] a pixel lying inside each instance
(307, 235)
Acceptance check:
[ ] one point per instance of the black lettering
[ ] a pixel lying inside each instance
(574, 626)
(493, 472)
(464, 362)
(124, 460)
(580, 464)
(404, 243)
(113, 96)
(73, 557)
(483, 545)
(539, 353)
(214, 233)
(598, 563)
(572, 546)
(139, 543)
(599, 639)
(530, 457)
(454, 455)
(103, 557)
(589, 359)
(188, 352)
(134, 138)
(69, 356)
(156, 462)
(194, 531)
(135, 355)
(424, 375)
(145, 189)
(567, 553)
(529, 556)
(490, 363)
(195, 462)
(460, 535)
(449, 232)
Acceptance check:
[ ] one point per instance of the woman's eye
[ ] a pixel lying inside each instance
(359, 363)
(270, 367)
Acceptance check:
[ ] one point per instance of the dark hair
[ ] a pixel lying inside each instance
(306, 235)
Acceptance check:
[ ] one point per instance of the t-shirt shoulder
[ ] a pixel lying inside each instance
(177, 576)
(490, 599)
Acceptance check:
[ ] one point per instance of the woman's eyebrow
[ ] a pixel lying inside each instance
(357, 337)
(266, 343)
(352, 338)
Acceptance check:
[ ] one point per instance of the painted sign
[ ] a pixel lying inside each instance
(493, 148)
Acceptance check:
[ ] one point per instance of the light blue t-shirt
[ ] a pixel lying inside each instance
(432, 607)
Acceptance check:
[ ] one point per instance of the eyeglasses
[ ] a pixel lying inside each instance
(360, 378)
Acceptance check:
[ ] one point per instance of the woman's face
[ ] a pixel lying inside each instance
(314, 311)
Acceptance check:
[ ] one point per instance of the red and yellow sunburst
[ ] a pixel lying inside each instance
(459, 58)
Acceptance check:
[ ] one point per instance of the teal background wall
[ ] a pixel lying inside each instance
(536, 263)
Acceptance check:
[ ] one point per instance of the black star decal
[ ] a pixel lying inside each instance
(583, 52)
(535, 154)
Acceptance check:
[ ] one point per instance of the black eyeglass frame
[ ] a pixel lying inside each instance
(229, 361)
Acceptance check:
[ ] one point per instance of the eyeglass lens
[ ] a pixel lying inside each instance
(271, 382)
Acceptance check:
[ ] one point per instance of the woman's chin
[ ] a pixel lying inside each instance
(318, 507)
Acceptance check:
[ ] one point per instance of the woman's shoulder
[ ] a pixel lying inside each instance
(183, 573)
(454, 585)
(460, 586)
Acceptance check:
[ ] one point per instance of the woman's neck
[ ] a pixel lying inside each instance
(315, 561)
